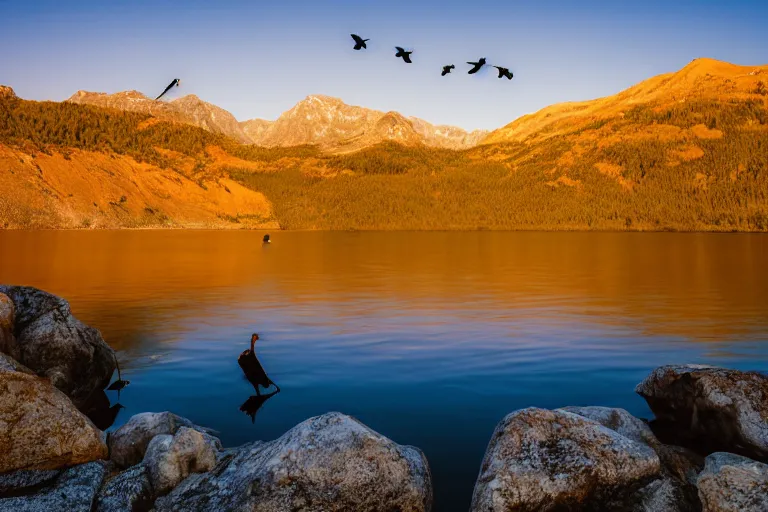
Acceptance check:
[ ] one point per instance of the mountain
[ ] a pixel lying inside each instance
(188, 109)
(6, 92)
(336, 126)
(701, 78)
(255, 128)
(684, 151)
(322, 120)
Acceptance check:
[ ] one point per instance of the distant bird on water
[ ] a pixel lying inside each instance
(404, 54)
(266, 239)
(504, 73)
(176, 82)
(476, 66)
(252, 368)
(447, 69)
(359, 42)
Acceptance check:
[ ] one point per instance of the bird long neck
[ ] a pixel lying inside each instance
(253, 342)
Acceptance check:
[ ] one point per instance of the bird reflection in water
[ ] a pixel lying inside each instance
(254, 403)
(99, 411)
(258, 378)
(97, 406)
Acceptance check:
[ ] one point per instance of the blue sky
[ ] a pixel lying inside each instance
(258, 58)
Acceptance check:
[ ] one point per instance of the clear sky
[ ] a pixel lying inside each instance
(258, 58)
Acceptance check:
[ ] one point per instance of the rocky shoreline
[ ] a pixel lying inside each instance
(706, 449)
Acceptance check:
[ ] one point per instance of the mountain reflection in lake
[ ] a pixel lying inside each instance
(429, 338)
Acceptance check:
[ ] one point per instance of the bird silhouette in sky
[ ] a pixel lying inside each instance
(404, 54)
(476, 66)
(359, 42)
(504, 73)
(447, 69)
(176, 82)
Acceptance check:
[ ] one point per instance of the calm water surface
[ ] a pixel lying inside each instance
(429, 338)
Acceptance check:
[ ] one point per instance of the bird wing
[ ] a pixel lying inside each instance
(166, 90)
(399, 50)
(357, 38)
(407, 57)
(473, 63)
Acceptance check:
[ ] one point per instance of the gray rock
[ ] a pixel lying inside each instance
(40, 428)
(74, 491)
(662, 495)
(8, 343)
(618, 420)
(25, 481)
(9, 364)
(715, 408)
(128, 491)
(330, 462)
(680, 463)
(56, 345)
(676, 488)
(731, 483)
(171, 459)
(128, 444)
(545, 460)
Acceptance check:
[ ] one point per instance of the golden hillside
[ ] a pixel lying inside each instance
(701, 79)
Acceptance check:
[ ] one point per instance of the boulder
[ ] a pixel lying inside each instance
(25, 481)
(128, 444)
(126, 492)
(710, 408)
(40, 428)
(329, 462)
(8, 343)
(732, 483)
(618, 420)
(74, 491)
(662, 495)
(675, 488)
(55, 344)
(171, 459)
(9, 364)
(545, 460)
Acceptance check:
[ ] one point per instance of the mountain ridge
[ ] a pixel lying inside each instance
(680, 151)
(318, 119)
(700, 77)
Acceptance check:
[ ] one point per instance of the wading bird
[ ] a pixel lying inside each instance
(176, 82)
(476, 66)
(119, 383)
(359, 42)
(447, 69)
(504, 72)
(404, 54)
(252, 368)
(266, 239)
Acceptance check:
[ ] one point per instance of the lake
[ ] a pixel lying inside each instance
(427, 337)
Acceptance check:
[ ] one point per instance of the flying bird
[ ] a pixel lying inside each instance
(447, 69)
(476, 66)
(176, 82)
(504, 72)
(359, 42)
(404, 54)
(252, 368)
